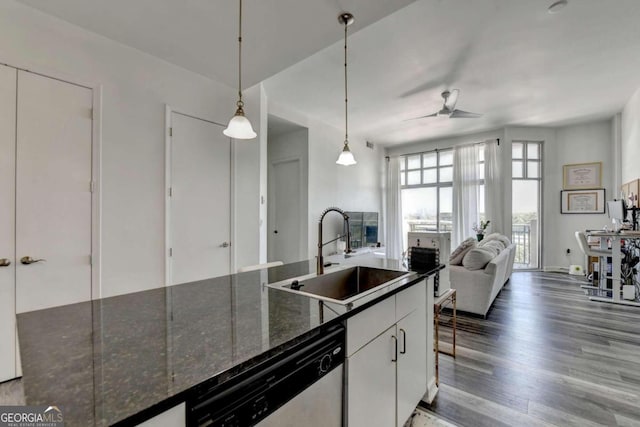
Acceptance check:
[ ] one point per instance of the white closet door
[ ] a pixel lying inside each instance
(53, 196)
(200, 202)
(7, 222)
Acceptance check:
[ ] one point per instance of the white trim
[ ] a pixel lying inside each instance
(96, 194)
(167, 197)
(51, 73)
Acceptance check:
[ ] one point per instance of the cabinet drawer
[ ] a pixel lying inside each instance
(368, 324)
(410, 299)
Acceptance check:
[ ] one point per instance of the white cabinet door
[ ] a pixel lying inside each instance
(412, 369)
(7, 222)
(53, 192)
(371, 387)
(200, 202)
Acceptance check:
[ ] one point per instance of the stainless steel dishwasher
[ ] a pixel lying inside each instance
(302, 386)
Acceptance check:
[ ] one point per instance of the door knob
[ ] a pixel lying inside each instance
(26, 260)
(4, 262)
(225, 245)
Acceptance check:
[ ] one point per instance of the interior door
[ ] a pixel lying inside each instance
(53, 192)
(200, 200)
(7, 222)
(285, 210)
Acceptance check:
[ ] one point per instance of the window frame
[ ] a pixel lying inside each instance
(438, 184)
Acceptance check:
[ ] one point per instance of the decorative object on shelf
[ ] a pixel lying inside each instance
(630, 192)
(582, 201)
(480, 229)
(346, 156)
(239, 126)
(582, 176)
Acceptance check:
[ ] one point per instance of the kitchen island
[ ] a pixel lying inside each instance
(128, 358)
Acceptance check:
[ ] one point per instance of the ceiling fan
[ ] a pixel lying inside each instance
(448, 108)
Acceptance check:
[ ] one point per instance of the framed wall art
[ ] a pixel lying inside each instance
(582, 201)
(581, 176)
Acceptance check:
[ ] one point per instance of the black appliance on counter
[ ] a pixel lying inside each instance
(252, 396)
(422, 260)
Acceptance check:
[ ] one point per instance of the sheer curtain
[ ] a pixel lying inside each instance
(493, 191)
(465, 192)
(393, 222)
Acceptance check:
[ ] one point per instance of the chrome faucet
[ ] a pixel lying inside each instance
(320, 260)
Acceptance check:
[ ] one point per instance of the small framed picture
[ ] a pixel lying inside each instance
(582, 201)
(582, 176)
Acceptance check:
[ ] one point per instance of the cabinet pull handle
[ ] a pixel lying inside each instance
(404, 341)
(395, 349)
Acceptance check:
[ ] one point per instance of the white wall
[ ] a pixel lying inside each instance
(631, 138)
(135, 88)
(352, 188)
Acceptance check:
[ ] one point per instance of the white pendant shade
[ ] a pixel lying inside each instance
(239, 128)
(346, 157)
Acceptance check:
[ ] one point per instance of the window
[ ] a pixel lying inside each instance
(526, 173)
(427, 190)
(427, 180)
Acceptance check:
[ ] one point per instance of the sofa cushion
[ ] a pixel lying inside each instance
(478, 258)
(461, 251)
(496, 236)
(494, 244)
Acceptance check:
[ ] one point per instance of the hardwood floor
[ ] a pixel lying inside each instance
(545, 355)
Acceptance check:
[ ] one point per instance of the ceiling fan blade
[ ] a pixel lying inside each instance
(459, 114)
(422, 117)
(452, 99)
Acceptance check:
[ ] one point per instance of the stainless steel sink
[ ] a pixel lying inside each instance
(345, 284)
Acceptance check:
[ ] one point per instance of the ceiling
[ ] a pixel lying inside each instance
(202, 35)
(511, 60)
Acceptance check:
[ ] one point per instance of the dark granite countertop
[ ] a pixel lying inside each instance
(107, 360)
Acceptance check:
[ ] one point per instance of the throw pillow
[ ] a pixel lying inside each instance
(496, 236)
(478, 258)
(495, 243)
(461, 251)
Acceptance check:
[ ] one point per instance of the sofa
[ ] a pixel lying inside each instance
(478, 288)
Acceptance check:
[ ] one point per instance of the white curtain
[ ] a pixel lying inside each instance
(493, 191)
(465, 192)
(393, 222)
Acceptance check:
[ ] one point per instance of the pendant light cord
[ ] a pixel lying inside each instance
(346, 100)
(240, 103)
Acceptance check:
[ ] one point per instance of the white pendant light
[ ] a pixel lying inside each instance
(346, 156)
(239, 126)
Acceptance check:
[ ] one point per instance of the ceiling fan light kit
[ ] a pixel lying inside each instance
(449, 108)
(239, 126)
(346, 157)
